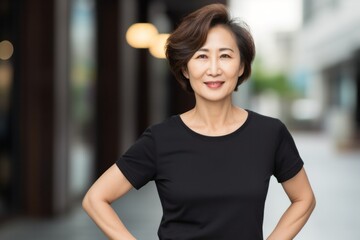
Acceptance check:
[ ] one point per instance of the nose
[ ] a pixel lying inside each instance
(214, 67)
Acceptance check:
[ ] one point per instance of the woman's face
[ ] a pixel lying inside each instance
(214, 69)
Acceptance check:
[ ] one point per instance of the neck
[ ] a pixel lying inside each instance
(214, 118)
(214, 114)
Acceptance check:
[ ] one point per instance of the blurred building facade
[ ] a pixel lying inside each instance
(75, 95)
(327, 66)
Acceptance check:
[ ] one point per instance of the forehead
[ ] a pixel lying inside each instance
(221, 36)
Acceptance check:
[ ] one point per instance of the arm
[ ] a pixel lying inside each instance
(302, 200)
(97, 203)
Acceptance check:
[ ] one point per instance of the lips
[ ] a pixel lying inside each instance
(214, 84)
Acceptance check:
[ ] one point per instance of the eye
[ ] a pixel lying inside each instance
(225, 55)
(201, 56)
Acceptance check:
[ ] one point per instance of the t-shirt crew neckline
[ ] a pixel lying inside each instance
(215, 138)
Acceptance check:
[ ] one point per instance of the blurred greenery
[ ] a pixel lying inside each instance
(265, 80)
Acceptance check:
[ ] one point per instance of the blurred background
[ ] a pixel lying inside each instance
(81, 79)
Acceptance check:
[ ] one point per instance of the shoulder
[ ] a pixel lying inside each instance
(168, 132)
(263, 121)
(170, 125)
(155, 133)
(269, 126)
(164, 125)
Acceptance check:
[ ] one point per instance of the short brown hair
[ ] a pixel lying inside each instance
(191, 35)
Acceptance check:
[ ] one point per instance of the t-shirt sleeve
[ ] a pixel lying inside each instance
(138, 163)
(287, 159)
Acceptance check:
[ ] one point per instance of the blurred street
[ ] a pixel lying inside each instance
(334, 176)
(80, 80)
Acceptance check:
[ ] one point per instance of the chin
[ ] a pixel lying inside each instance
(215, 97)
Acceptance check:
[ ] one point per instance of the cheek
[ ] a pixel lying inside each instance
(196, 71)
(239, 69)
(233, 71)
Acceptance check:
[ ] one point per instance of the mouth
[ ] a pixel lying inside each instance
(214, 84)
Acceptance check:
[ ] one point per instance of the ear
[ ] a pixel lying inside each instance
(185, 73)
(241, 70)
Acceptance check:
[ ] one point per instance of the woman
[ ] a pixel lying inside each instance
(212, 164)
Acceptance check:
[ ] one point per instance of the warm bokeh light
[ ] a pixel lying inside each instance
(6, 73)
(140, 35)
(6, 77)
(157, 47)
(6, 50)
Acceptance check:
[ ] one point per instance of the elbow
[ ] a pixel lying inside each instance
(309, 204)
(86, 202)
(312, 203)
(89, 202)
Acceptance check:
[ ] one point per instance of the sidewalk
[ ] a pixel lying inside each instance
(335, 178)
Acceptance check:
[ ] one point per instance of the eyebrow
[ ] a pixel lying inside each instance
(221, 49)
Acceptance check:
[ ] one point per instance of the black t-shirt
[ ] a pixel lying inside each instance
(212, 187)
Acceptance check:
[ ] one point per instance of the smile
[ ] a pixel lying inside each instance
(214, 84)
